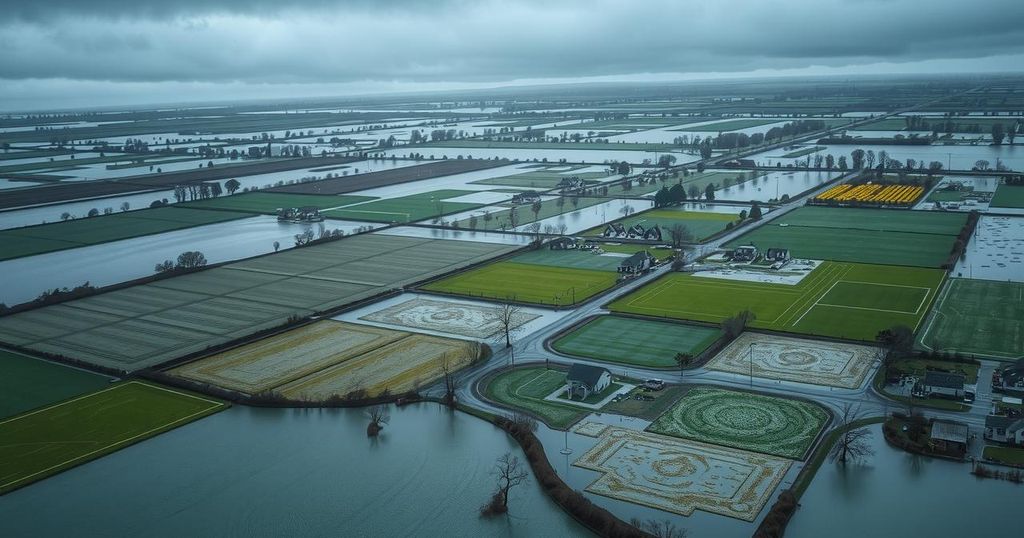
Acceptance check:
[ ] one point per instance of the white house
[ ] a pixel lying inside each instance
(584, 380)
(946, 384)
(1004, 429)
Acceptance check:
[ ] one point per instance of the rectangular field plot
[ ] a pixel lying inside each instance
(887, 220)
(1008, 196)
(45, 442)
(527, 283)
(766, 424)
(978, 317)
(700, 224)
(474, 321)
(526, 389)
(27, 383)
(636, 341)
(270, 202)
(406, 208)
(796, 359)
(143, 326)
(546, 178)
(679, 476)
(845, 300)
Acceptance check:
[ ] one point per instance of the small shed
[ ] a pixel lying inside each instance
(746, 253)
(584, 380)
(950, 437)
(777, 255)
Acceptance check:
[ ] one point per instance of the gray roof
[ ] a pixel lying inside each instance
(1010, 424)
(637, 259)
(947, 380)
(949, 431)
(585, 374)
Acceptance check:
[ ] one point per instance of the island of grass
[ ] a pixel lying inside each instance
(527, 283)
(45, 442)
(1008, 196)
(406, 208)
(879, 236)
(270, 202)
(526, 389)
(756, 422)
(547, 177)
(81, 232)
(977, 317)
(1005, 454)
(27, 383)
(635, 341)
(700, 224)
(843, 300)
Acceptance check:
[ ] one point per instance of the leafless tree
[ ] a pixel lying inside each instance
(853, 443)
(660, 529)
(562, 227)
(509, 472)
(507, 314)
(379, 416)
(680, 234)
(450, 384)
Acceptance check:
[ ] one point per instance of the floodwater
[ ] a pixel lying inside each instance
(591, 155)
(773, 185)
(996, 250)
(899, 494)
(25, 278)
(589, 217)
(251, 472)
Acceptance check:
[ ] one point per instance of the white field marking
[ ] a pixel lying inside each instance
(927, 293)
(521, 387)
(815, 303)
(812, 288)
(864, 308)
(121, 442)
(890, 285)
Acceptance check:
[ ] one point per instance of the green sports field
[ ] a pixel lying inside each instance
(977, 317)
(845, 300)
(878, 236)
(700, 224)
(527, 283)
(270, 202)
(636, 341)
(577, 259)
(526, 388)
(406, 208)
(45, 442)
(27, 383)
(1008, 196)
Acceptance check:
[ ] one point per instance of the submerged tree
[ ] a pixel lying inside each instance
(853, 443)
(660, 529)
(379, 416)
(510, 472)
(506, 315)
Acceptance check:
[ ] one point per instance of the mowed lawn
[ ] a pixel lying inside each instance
(889, 220)
(978, 317)
(527, 283)
(27, 383)
(526, 388)
(845, 300)
(639, 342)
(406, 208)
(1008, 196)
(270, 202)
(700, 224)
(45, 442)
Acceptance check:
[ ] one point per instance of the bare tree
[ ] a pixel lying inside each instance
(510, 472)
(379, 416)
(683, 360)
(853, 443)
(450, 384)
(660, 529)
(507, 314)
(680, 234)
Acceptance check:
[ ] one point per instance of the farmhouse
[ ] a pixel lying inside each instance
(943, 384)
(585, 380)
(637, 263)
(653, 233)
(777, 255)
(636, 232)
(571, 184)
(562, 243)
(1004, 429)
(526, 197)
(300, 214)
(614, 230)
(747, 253)
(1011, 376)
(949, 437)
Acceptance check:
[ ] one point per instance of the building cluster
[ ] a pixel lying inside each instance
(616, 230)
(750, 254)
(299, 214)
(1006, 423)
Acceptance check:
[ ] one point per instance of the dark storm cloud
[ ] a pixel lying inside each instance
(341, 41)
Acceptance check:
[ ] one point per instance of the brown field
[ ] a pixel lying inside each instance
(342, 185)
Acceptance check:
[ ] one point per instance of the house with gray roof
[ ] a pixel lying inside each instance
(1004, 429)
(584, 380)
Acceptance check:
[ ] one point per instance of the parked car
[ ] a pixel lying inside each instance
(654, 384)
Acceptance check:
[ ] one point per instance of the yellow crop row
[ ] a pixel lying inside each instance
(886, 194)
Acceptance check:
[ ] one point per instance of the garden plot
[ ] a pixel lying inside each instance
(474, 321)
(747, 421)
(995, 251)
(679, 476)
(796, 359)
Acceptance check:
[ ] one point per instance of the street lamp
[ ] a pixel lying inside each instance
(750, 354)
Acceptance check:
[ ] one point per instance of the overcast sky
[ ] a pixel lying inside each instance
(70, 53)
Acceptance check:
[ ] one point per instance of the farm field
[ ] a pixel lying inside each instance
(977, 317)
(635, 341)
(406, 208)
(270, 202)
(799, 360)
(885, 220)
(727, 125)
(577, 259)
(843, 300)
(1008, 196)
(526, 388)
(679, 476)
(469, 145)
(384, 178)
(84, 428)
(527, 283)
(31, 240)
(543, 179)
(464, 319)
(501, 219)
(27, 383)
(145, 325)
(700, 224)
(747, 421)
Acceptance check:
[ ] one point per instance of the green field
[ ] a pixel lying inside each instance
(1008, 196)
(32, 240)
(527, 283)
(500, 219)
(878, 236)
(574, 259)
(978, 317)
(466, 147)
(526, 388)
(546, 178)
(270, 202)
(747, 421)
(700, 224)
(635, 341)
(45, 442)
(406, 208)
(802, 152)
(726, 125)
(1005, 454)
(845, 300)
(27, 383)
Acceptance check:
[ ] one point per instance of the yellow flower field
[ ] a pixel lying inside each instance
(868, 192)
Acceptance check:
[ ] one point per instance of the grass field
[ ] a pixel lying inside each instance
(32, 240)
(544, 179)
(978, 317)
(1005, 454)
(765, 424)
(527, 283)
(45, 442)
(27, 383)
(526, 388)
(802, 152)
(576, 259)
(270, 202)
(1008, 196)
(879, 236)
(700, 224)
(726, 125)
(635, 341)
(467, 146)
(406, 208)
(500, 219)
(845, 300)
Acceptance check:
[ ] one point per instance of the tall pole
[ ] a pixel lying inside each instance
(750, 354)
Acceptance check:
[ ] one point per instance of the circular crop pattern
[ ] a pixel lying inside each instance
(797, 357)
(764, 424)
